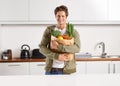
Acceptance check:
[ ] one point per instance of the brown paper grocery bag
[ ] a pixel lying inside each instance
(66, 42)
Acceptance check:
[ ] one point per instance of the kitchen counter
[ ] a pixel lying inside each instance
(77, 59)
(62, 80)
(22, 60)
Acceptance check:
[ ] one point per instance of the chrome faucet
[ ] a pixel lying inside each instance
(102, 44)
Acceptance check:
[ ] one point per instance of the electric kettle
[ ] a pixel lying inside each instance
(25, 51)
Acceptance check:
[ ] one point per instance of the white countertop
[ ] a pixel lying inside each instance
(62, 80)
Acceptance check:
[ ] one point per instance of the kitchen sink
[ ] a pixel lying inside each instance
(108, 56)
(113, 56)
(97, 57)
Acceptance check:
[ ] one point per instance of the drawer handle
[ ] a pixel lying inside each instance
(109, 68)
(40, 64)
(14, 65)
(113, 68)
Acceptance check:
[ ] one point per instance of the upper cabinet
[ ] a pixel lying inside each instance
(80, 11)
(114, 12)
(14, 10)
(86, 10)
(42, 10)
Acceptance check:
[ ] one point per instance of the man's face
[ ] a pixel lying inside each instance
(61, 17)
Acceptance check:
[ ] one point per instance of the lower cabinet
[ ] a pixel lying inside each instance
(97, 67)
(17, 68)
(103, 67)
(22, 68)
(114, 67)
(81, 67)
(37, 68)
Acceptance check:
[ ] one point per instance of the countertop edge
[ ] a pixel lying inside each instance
(43, 60)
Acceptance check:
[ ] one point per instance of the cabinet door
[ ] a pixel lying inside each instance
(16, 68)
(13, 10)
(80, 67)
(97, 67)
(114, 12)
(86, 10)
(115, 67)
(37, 68)
(42, 10)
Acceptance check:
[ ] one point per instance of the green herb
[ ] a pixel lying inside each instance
(56, 33)
(70, 29)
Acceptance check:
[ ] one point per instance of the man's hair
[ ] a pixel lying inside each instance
(61, 8)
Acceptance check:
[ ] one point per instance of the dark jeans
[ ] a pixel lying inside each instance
(55, 71)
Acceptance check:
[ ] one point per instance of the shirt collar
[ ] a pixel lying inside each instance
(62, 31)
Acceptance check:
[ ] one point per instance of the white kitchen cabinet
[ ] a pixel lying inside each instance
(42, 10)
(103, 67)
(114, 12)
(79, 10)
(80, 67)
(14, 10)
(37, 68)
(14, 68)
(86, 10)
(98, 67)
(115, 67)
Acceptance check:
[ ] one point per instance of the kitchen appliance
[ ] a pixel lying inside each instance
(37, 55)
(4, 56)
(7, 54)
(25, 51)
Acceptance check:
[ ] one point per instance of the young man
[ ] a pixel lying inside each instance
(59, 62)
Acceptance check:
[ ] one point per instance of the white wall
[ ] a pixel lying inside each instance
(14, 36)
(92, 34)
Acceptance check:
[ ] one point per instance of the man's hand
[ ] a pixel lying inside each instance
(64, 57)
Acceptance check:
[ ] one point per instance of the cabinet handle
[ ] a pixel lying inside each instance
(40, 64)
(13, 65)
(113, 68)
(109, 68)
